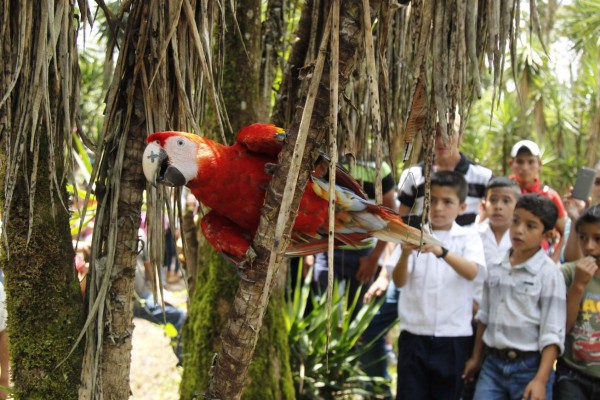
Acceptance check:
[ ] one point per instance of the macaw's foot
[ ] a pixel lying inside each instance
(271, 168)
(251, 255)
(246, 264)
(241, 269)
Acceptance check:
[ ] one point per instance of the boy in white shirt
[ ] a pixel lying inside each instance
(435, 308)
(522, 316)
(501, 196)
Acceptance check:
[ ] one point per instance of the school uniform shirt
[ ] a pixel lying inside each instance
(524, 307)
(492, 250)
(411, 188)
(436, 300)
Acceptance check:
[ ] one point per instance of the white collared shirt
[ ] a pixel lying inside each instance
(437, 301)
(493, 251)
(524, 307)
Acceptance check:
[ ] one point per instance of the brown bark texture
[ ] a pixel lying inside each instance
(245, 320)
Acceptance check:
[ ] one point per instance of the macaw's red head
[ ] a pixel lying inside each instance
(170, 158)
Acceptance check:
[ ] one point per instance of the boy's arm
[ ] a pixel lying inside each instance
(474, 363)
(584, 271)
(400, 273)
(465, 268)
(536, 389)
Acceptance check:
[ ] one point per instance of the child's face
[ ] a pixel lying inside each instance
(445, 207)
(526, 168)
(589, 240)
(499, 206)
(526, 231)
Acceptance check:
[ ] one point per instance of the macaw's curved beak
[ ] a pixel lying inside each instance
(158, 169)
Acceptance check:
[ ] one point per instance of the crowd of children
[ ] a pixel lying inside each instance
(487, 314)
(537, 321)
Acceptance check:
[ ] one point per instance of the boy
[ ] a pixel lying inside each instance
(522, 315)
(525, 163)
(578, 370)
(435, 308)
(501, 196)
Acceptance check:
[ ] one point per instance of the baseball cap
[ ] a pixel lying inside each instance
(528, 145)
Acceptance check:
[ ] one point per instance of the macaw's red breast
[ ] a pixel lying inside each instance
(232, 182)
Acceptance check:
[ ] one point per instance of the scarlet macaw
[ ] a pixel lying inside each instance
(231, 181)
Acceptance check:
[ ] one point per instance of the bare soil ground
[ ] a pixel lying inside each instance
(154, 375)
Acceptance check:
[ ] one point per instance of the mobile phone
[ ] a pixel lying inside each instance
(583, 184)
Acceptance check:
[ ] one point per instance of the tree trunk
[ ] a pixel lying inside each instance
(217, 279)
(44, 302)
(119, 187)
(245, 322)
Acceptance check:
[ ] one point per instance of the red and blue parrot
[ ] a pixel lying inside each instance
(232, 182)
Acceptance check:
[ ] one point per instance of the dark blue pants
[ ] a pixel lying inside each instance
(345, 266)
(431, 367)
(573, 385)
(375, 362)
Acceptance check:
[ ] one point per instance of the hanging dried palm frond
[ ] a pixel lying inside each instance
(448, 42)
(163, 76)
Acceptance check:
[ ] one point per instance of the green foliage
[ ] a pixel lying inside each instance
(543, 98)
(334, 372)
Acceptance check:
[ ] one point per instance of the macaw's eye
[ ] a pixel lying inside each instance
(157, 142)
(180, 143)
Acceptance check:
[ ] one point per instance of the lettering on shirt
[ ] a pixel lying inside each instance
(586, 343)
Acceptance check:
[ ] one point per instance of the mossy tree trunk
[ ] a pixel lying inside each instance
(215, 286)
(37, 97)
(44, 302)
(241, 334)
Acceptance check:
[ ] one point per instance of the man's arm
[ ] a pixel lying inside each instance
(574, 208)
(378, 287)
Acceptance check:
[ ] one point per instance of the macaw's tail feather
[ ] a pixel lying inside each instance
(397, 231)
(307, 247)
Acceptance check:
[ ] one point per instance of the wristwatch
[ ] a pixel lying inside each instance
(444, 253)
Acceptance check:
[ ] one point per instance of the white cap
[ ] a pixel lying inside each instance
(528, 145)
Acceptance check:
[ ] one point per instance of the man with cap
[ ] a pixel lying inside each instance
(526, 163)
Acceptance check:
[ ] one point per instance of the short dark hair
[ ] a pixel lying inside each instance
(451, 179)
(590, 216)
(503, 182)
(540, 206)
